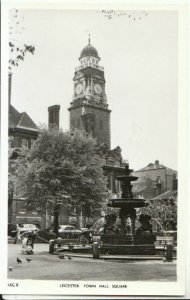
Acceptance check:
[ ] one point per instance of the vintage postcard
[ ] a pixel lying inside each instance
(94, 149)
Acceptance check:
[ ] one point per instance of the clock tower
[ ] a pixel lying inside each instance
(89, 108)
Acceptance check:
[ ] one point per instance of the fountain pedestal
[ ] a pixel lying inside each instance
(127, 240)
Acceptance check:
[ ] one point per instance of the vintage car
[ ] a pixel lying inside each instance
(11, 230)
(68, 231)
(92, 234)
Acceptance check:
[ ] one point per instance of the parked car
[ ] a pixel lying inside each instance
(11, 230)
(84, 229)
(68, 231)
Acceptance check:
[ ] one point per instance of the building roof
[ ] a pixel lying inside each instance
(20, 120)
(167, 195)
(89, 50)
(14, 116)
(155, 166)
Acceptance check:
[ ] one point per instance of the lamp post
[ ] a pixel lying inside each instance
(46, 216)
(56, 218)
(80, 218)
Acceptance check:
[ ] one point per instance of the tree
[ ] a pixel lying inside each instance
(63, 167)
(17, 47)
(162, 212)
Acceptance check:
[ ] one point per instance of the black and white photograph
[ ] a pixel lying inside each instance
(94, 160)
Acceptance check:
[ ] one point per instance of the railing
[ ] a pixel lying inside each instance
(89, 65)
(164, 240)
(97, 103)
(80, 101)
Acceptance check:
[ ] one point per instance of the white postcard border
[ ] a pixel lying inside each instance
(133, 288)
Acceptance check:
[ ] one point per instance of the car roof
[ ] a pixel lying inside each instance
(29, 225)
(63, 226)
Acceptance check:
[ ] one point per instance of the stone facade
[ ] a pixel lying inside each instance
(113, 165)
(93, 119)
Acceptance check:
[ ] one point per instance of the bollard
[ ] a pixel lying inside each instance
(95, 250)
(51, 246)
(169, 253)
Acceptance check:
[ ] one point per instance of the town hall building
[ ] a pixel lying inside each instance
(89, 109)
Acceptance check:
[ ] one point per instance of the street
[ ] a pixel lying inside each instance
(44, 266)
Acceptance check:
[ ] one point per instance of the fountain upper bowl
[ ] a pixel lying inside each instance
(127, 178)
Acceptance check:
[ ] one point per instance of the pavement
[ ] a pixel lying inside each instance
(44, 266)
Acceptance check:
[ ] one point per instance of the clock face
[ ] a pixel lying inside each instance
(98, 89)
(78, 88)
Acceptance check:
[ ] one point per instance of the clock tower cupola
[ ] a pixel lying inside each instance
(89, 108)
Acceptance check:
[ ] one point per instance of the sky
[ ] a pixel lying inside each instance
(139, 53)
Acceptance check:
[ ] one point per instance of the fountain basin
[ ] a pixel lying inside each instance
(127, 249)
(125, 202)
(111, 239)
(130, 245)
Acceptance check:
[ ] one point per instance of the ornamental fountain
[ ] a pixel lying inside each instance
(126, 239)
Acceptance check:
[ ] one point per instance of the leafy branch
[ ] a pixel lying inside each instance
(17, 49)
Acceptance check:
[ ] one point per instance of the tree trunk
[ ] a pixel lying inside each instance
(10, 198)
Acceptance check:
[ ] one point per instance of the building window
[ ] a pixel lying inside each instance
(32, 142)
(73, 123)
(25, 143)
(110, 182)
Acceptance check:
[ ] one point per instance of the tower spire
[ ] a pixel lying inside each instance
(89, 39)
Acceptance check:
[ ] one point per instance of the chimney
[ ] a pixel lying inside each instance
(9, 87)
(53, 120)
(157, 163)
